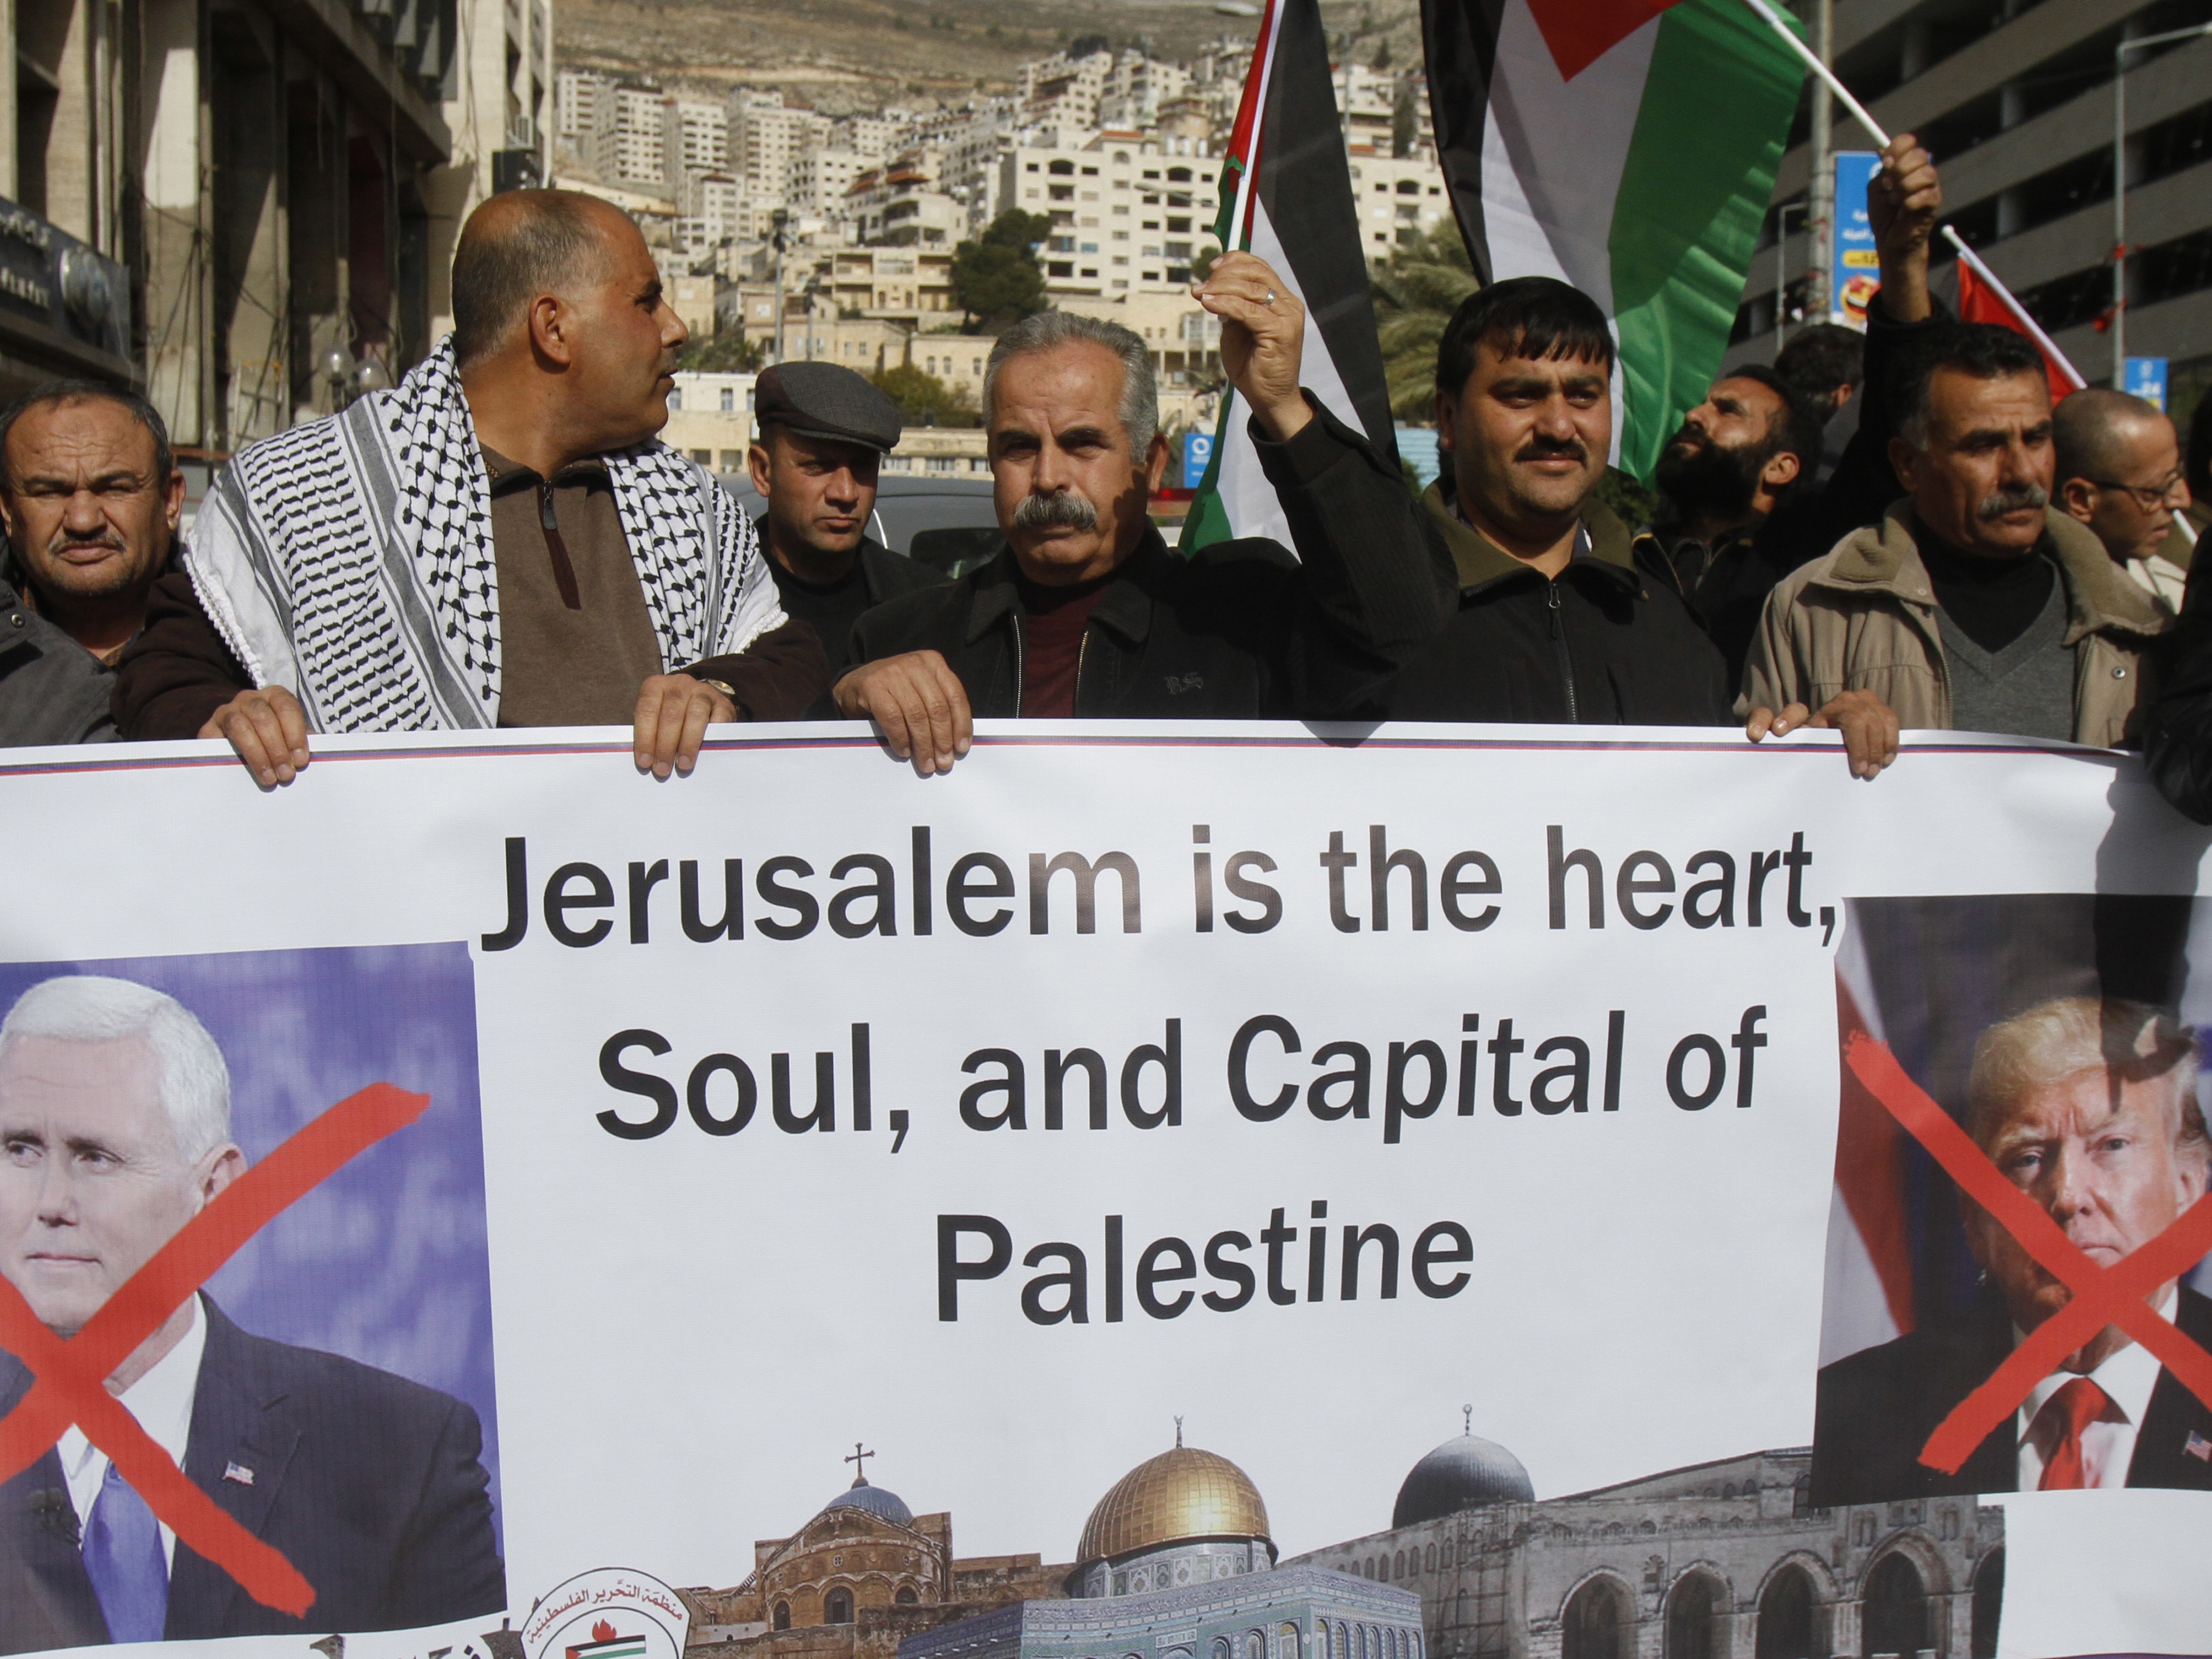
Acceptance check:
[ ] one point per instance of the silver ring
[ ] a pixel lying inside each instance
(1271, 297)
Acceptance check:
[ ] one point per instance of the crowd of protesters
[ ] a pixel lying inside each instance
(1894, 532)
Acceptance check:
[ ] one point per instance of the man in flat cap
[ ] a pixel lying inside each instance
(823, 431)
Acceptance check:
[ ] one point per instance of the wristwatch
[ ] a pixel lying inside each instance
(729, 691)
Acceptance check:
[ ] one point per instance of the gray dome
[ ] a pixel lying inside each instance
(879, 1501)
(1462, 1473)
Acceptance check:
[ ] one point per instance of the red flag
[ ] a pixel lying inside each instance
(1981, 298)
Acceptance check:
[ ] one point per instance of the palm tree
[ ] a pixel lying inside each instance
(1415, 295)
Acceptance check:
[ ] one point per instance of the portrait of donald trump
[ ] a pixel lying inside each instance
(115, 1131)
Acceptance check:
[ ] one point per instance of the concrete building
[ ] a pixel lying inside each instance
(499, 106)
(641, 137)
(957, 360)
(941, 452)
(1723, 1560)
(767, 140)
(1125, 216)
(710, 418)
(910, 286)
(2015, 100)
(1395, 197)
(899, 205)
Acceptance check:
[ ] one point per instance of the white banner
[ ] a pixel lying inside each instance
(1238, 1190)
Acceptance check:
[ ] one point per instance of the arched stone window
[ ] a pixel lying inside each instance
(837, 1606)
(1598, 1622)
(1989, 1597)
(1287, 1644)
(1255, 1645)
(1895, 1616)
(1785, 1616)
(1693, 1606)
(906, 1597)
(1340, 1644)
(1398, 1566)
(1221, 1648)
(1460, 1616)
(782, 1618)
(1432, 1557)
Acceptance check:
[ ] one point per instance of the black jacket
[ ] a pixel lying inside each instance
(52, 690)
(2176, 731)
(1729, 596)
(884, 576)
(1606, 643)
(369, 1484)
(1874, 1411)
(1241, 630)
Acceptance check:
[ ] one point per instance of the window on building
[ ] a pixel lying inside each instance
(1063, 192)
(906, 1597)
(1090, 172)
(1151, 172)
(733, 461)
(704, 456)
(782, 1620)
(675, 398)
(837, 1606)
(1062, 168)
(1032, 167)
(1409, 187)
(1178, 175)
(729, 400)
(1059, 268)
(1089, 271)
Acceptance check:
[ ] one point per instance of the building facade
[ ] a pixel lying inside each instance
(2015, 101)
(1125, 216)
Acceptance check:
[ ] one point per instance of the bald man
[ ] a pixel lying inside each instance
(2118, 467)
(499, 541)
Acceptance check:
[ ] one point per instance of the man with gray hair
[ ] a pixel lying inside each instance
(1086, 613)
(2089, 1107)
(2119, 472)
(114, 1134)
(499, 541)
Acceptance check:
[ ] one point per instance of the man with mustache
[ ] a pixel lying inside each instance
(1087, 614)
(1555, 618)
(1971, 604)
(499, 541)
(90, 496)
(1753, 446)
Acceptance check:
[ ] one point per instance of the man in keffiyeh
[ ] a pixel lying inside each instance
(499, 541)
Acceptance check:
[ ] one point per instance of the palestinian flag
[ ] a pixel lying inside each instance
(1627, 147)
(1286, 195)
(1983, 299)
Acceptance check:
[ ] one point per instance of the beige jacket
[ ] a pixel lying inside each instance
(1862, 617)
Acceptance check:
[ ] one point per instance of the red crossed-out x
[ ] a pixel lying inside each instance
(2102, 1296)
(72, 1376)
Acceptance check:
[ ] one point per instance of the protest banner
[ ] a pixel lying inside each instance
(1361, 1194)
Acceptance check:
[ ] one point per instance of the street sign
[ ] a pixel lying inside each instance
(2146, 378)
(1856, 273)
(1197, 456)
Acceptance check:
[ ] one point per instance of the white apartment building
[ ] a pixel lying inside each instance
(640, 150)
(957, 359)
(875, 135)
(696, 137)
(1125, 216)
(1394, 197)
(710, 418)
(900, 205)
(823, 178)
(577, 96)
(767, 140)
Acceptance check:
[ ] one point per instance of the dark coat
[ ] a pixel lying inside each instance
(369, 1484)
(884, 576)
(1242, 630)
(1607, 643)
(52, 690)
(2177, 730)
(1875, 1410)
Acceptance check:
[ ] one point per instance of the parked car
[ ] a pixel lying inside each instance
(947, 523)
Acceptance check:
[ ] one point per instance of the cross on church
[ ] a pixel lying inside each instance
(859, 1468)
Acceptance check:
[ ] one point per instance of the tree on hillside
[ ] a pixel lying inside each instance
(727, 351)
(995, 278)
(923, 399)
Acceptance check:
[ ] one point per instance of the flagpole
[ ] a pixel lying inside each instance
(1264, 61)
(1858, 110)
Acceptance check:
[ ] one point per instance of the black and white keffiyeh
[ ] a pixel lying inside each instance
(350, 560)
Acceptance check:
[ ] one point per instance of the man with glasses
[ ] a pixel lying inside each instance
(90, 497)
(2119, 472)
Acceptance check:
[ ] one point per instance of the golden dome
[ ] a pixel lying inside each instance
(1183, 1493)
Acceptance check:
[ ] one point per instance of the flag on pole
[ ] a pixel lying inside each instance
(1286, 197)
(1627, 147)
(1983, 299)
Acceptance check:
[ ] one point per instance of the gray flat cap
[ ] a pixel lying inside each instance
(821, 400)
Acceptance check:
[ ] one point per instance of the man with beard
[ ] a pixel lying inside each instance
(1086, 613)
(1749, 446)
(90, 495)
(498, 541)
(1556, 617)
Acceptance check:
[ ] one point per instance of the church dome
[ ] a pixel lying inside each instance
(877, 1500)
(1182, 1493)
(1464, 1474)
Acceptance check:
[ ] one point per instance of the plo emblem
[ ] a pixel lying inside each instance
(608, 1613)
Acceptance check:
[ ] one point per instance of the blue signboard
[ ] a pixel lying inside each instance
(2146, 378)
(1857, 272)
(1197, 455)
